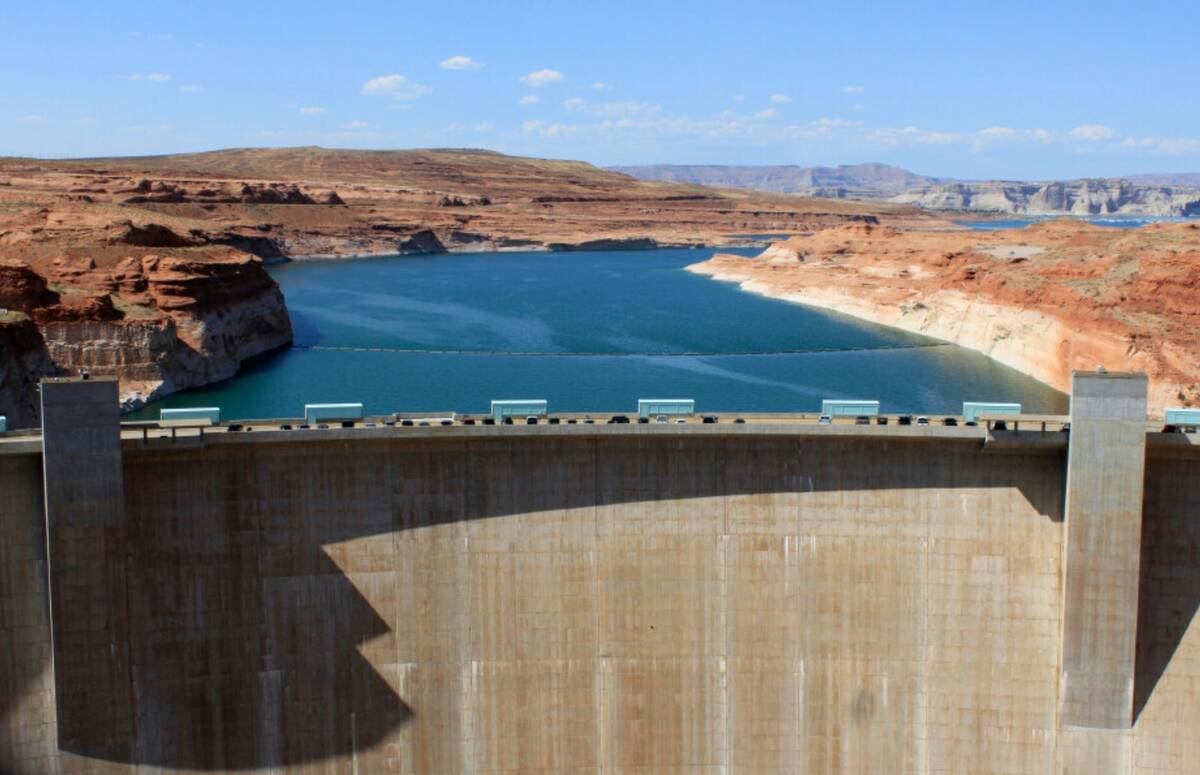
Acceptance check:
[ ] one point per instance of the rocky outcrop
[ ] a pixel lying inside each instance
(1045, 300)
(1079, 197)
(159, 322)
(24, 361)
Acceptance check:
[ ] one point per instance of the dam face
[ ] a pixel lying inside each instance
(638, 599)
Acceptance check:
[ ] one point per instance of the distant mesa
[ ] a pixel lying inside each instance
(1148, 195)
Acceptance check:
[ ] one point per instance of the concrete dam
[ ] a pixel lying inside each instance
(772, 597)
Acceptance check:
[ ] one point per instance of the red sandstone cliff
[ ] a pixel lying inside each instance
(1046, 299)
(160, 323)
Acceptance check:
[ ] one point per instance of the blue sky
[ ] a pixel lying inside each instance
(1011, 90)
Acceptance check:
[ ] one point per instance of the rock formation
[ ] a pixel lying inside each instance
(24, 361)
(1045, 300)
(1078, 197)
(1150, 195)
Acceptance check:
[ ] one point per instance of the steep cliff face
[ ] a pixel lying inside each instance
(24, 360)
(159, 322)
(1079, 197)
(1046, 300)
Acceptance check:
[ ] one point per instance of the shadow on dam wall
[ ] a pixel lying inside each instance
(253, 645)
(1169, 588)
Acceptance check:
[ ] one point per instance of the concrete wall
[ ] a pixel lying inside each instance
(640, 603)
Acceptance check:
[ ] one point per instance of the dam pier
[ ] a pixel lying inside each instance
(768, 596)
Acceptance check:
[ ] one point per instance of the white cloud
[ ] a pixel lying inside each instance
(999, 132)
(355, 124)
(395, 86)
(460, 62)
(599, 86)
(529, 99)
(158, 77)
(190, 87)
(1091, 133)
(532, 125)
(891, 137)
(1179, 146)
(311, 110)
(768, 113)
(36, 119)
(484, 126)
(780, 98)
(540, 78)
(853, 89)
(610, 109)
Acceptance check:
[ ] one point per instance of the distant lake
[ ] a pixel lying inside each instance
(589, 331)
(1112, 221)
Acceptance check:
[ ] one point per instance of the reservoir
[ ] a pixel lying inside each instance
(589, 332)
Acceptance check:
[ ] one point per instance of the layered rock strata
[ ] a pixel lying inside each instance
(1045, 300)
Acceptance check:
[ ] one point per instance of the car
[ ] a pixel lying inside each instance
(862, 419)
(234, 427)
(347, 423)
(709, 419)
(904, 419)
(740, 421)
(554, 421)
(323, 427)
(662, 418)
(825, 420)
(369, 425)
(572, 421)
(508, 421)
(999, 425)
(489, 420)
(531, 420)
(950, 421)
(643, 420)
(447, 422)
(407, 423)
(285, 427)
(680, 421)
(922, 420)
(468, 421)
(881, 420)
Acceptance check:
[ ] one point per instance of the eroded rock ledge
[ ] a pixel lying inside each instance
(161, 323)
(1045, 300)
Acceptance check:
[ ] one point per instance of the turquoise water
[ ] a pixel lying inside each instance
(590, 331)
(1112, 221)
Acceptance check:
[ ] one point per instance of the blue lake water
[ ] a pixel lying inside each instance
(589, 331)
(1112, 221)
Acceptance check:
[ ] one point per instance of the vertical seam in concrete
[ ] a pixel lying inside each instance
(728, 741)
(49, 566)
(599, 596)
(467, 690)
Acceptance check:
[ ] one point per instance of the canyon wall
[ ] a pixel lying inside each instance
(590, 601)
(1076, 197)
(24, 360)
(1046, 300)
(161, 323)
